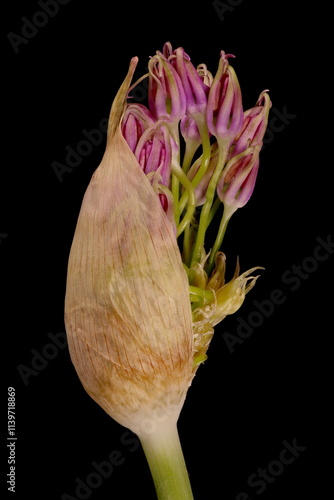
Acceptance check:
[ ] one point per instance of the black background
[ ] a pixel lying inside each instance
(242, 404)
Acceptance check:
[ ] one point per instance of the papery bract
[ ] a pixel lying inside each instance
(127, 310)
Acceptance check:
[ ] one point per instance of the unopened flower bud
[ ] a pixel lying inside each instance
(137, 118)
(237, 180)
(154, 151)
(190, 133)
(194, 87)
(224, 113)
(166, 97)
(205, 74)
(254, 125)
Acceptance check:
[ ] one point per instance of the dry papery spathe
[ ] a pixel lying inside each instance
(127, 310)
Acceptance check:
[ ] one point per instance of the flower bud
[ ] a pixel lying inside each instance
(154, 151)
(237, 181)
(194, 87)
(190, 133)
(205, 75)
(127, 308)
(254, 125)
(166, 97)
(224, 113)
(137, 118)
(167, 50)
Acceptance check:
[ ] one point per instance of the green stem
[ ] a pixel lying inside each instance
(191, 148)
(175, 193)
(214, 210)
(186, 245)
(206, 209)
(175, 180)
(183, 179)
(165, 458)
(206, 145)
(228, 212)
(206, 156)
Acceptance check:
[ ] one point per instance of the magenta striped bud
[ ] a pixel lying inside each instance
(237, 181)
(254, 125)
(195, 89)
(166, 97)
(154, 151)
(224, 113)
(137, 118)
(189, 130)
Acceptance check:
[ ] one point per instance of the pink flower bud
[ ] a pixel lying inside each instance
(167, 50)
(205, 75)
(224, 113)
(166, 97)
(189, 130)
(254, 125)
(195, 89)
(237, 181)
(137, 118)
(154, 151)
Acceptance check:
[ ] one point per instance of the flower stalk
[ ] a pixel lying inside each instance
(227, 214)
(165, 458)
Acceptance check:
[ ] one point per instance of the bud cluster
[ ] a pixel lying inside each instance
(200, 143)
(200, 150)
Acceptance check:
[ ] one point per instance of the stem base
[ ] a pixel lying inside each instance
(165, 458)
